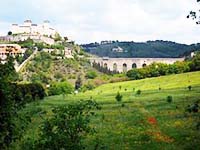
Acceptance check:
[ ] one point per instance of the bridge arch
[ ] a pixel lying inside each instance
(134, 65)
(105, 65)
(144, 65)
(124, 67)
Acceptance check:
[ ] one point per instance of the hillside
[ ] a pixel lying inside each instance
(154, 49)
(141, 121)
(46, 68)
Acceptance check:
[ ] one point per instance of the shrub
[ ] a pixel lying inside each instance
(60, 88)
(98, 82)
(78, 83)
(67, 127)
(195, 63)
(118, 97)
(157, 69)
(169, 99)
(189, 87)
(138, 92)
(91, 74)
(88, 86)
(193, 108)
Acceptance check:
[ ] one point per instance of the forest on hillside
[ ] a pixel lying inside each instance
(153, 49)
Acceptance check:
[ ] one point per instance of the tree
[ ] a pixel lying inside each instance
(67, 127)
(78, 83)
(194, 15)
(13, 97)
(118, 97)
(58, 88)
(91, 74)
(57, 37)
(9, 33)
(195, 63)
(169, 99)
(7, 105)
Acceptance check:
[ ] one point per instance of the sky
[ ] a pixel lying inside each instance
(86, 21)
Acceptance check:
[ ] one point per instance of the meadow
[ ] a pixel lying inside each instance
(139, 121)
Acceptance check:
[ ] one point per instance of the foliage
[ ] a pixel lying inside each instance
(138, 92)
(169, 99)
(194, 15)
(118, 97)
(12, 98)
(193, 108)
(103, 69)
(88, 86)
(159, 69)
(9, 33)
(189, 87)
(58, 46)
(60, 88)
(67, 127)
(146, 122)
(40, 46)
(149, 49)
(29, 43)
(91, 74)
(57, 37)
(78, 83)
(195, 63)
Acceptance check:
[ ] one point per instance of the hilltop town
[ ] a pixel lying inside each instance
(23, 39)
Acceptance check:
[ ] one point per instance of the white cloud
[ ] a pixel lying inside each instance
(133, 20)
(4, 28)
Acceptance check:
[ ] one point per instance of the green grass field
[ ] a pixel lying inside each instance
(145, 121)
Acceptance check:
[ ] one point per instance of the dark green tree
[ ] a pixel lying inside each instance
(195, 63)
(118, 97)
(9, 33)
(78, 83)
(7, 105)
(67, 127)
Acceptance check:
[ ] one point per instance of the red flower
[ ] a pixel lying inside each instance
(152, 120)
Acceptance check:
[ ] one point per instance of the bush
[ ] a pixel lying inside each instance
(193, 108)
(169, 99)
(60, 88)
(88, 86)
(78, 83)
(189, 87)
(195, 63)
(91, 74)
(118, 97)
(138, 92)
(158, 69)
(67, 127)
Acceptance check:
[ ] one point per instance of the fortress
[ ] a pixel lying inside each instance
(37, 32)
(35, 29)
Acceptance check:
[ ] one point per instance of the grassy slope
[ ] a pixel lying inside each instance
(128, 127)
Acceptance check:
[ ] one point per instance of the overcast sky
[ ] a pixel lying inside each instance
(94, 20)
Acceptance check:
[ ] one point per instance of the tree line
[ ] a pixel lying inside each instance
(13, 97)
(160, 69)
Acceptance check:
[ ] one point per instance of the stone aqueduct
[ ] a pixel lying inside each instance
(125, 64)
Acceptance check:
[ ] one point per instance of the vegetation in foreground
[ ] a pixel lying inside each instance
(151, 114)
